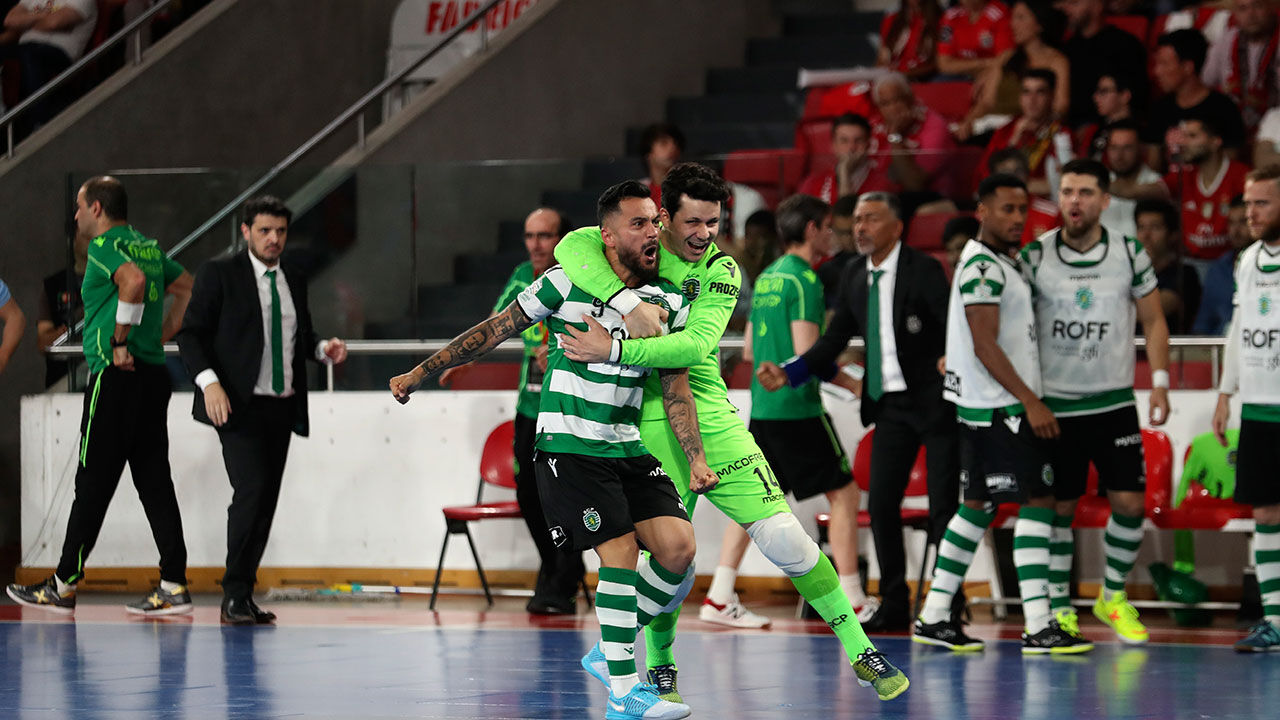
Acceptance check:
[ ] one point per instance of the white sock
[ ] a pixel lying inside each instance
(852, 586)
(62, 587)
(170, 587)
(721, 590)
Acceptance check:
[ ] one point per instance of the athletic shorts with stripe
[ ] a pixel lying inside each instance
(806, 454)
(589, 500)
(1111, 440)
(1004, 462)
(747, 490)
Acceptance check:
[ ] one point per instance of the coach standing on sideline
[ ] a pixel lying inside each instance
(126, 401)
(252, 386)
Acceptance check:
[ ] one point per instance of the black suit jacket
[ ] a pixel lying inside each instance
(920, 295)
(223, 330)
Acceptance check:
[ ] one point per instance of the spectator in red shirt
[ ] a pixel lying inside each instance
(1037, 31)
(1244, 63)
(913, 138)
(1176, 66)
(1202, 188)
(909, 39)
(972, 36)
(1043, 140)
(1113, 99)
(856, 170)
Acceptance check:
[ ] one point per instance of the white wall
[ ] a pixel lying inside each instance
(365, 489)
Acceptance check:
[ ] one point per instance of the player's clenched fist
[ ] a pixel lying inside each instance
(771, 376)
(701, 478)
(403, 385)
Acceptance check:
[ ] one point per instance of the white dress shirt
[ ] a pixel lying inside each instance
(289, 328)
(891, 377)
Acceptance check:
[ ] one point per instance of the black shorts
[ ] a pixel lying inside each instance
(1004, 462)
(1112, 441)
(805, 454)
(591, 500)
(1257, 459)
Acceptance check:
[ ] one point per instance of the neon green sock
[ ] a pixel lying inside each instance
(660, 640)
(821, 587)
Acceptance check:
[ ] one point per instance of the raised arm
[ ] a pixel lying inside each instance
(581, 255)
(463, 349)
(682, 416)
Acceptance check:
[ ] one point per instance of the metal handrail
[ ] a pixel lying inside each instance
(132, 27)
(360, 105)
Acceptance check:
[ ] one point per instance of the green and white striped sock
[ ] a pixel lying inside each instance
(955, 554)
(1266, 560)
(1121, 540)
(1062, 549)
(1031, 559)
(656, 587)
(616, 611)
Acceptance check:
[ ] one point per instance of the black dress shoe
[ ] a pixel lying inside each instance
(887, 619)
(260, 616)
(236, 611)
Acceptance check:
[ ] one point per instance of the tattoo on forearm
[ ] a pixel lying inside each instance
(478, 340)
(682, 414)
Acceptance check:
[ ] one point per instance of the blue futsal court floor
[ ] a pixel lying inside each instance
(393, 660)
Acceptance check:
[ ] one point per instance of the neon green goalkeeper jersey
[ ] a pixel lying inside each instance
(711, 285)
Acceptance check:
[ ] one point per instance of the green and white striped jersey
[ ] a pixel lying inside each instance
(591, 408)
(1086, 315)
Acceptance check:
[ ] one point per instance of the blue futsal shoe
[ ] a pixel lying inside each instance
(595, 663)
(1263, 637)
(643, 702)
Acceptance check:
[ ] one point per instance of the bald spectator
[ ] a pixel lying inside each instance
(973, 35)
(14, 324)
(1131, 179)
(1243, 64)
(914, 139)
(1179, 58)
(52, 35)
(1044, 141)
(1096, 49)
(856, 169)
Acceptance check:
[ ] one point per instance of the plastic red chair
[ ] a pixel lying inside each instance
(776, 168)
(1093, 511)
(951, 100)
(912, 518)
(925, 231)
(497, 468)
(1198, 510)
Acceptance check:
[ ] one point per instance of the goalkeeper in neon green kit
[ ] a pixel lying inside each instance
(747, 492)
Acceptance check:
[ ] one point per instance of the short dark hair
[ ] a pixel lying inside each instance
(1123, 80)
(265, 205)
(109, 193)
(988, 187)
(1210, 124)
(565, 226)
(1165, 209)
(844, 205)
(1266, 172)
(895, 205)
(1124, 124)
(1188, 44)
(610, 200)
(655, 132)
(1048, 76)
(1088, 166)
(966, 224)
(697, 181)
(1004, 155)
(851, 119)
(762, 218)
(794, 215)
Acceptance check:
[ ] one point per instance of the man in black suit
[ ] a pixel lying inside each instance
(245, 339)
(897, 300)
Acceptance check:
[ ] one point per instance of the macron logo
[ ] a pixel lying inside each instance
(551, 463)
(1013, 423)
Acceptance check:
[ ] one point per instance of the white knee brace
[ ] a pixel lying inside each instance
(781, 538)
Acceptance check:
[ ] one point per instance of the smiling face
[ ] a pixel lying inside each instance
(632, 233)
(693, 228)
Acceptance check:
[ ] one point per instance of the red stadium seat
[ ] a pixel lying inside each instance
(1136, 25)
(772, 173)
(486, 376)
(1093, 511)
(925, 232)
(951, 99)
(497, 468)
(740, 378)
(1198, 510)
(813, 137)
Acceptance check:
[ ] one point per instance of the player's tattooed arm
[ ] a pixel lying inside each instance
(463, 349)
(682, 416)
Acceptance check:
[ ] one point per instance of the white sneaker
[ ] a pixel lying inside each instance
(732, 614)
(867, 609)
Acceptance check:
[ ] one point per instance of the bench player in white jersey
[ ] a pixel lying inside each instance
(1089, 284)
(993, 377)
(600, 487)
(1251, 366)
